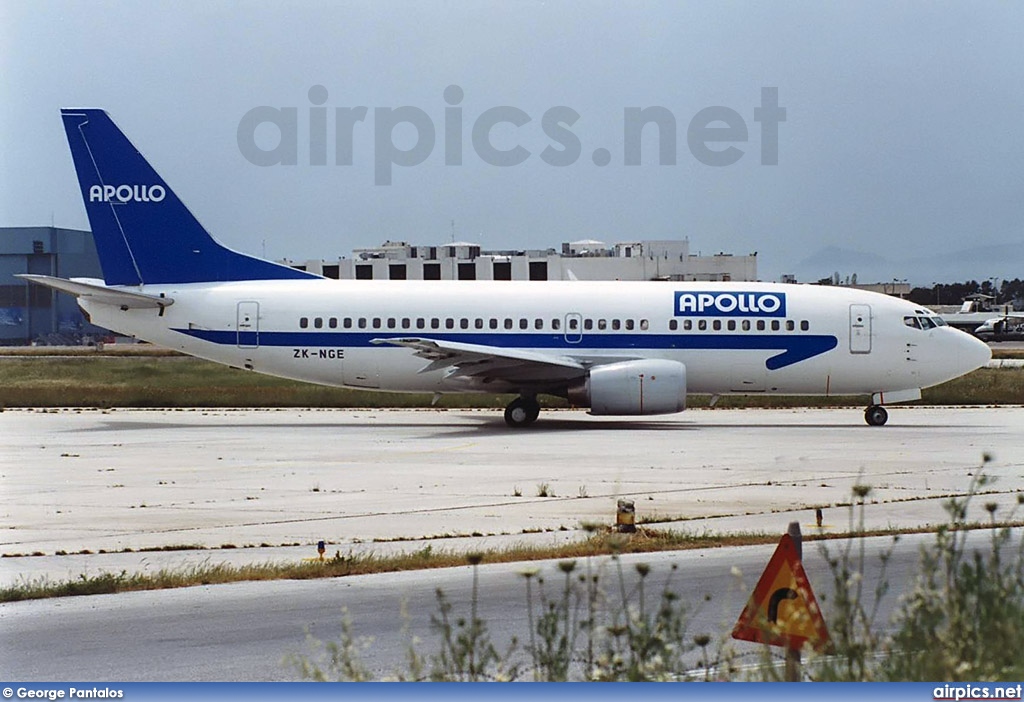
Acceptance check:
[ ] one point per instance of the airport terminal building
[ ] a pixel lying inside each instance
(31, 313)
(34, 314)
(578, 260)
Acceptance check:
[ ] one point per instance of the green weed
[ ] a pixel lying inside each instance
(963, 620)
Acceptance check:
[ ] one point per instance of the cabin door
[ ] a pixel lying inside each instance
(860, 328)
(248, 325)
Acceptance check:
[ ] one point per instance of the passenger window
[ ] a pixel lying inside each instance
(318, 322)
(421, 323)
(405, 322)
(435, 323)
(588, 324)
(303, 322)
(629, 324)
(449, 323)
(391, 322)
(717, 325)
(687, 324)
(332, 322)
(702, 325)
(463, 323)
(746, 325)
(731, 325)
(362, 322)
(347, 322)
(602, 324)
(508, 323)
(775, 325)
(494, 323)
(760, 325)
(556, 324)
(644, 325)
(574, 324)
(478, 323)
(790, 325)
(376, 322)
(616, 324)
(673, 324)
(538, 323)
(805, 325)
(524, 323)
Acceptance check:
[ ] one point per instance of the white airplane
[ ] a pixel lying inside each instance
(1009, 327)
(619, 348)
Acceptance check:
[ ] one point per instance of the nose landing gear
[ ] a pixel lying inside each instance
(876, 416)
(522, 412)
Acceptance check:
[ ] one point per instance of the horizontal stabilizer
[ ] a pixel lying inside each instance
(125, 299)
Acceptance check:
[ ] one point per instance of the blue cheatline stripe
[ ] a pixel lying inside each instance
(794, 348)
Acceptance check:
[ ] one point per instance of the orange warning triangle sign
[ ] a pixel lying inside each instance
(782, 611)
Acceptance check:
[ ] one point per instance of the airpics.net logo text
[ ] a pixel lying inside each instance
(721, 304)
(714, 134)
(978, 691)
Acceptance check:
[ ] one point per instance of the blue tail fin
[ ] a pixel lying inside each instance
(144, 234)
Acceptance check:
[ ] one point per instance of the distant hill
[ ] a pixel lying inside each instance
(1000, 261)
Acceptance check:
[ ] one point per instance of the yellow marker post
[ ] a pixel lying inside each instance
(625, 517)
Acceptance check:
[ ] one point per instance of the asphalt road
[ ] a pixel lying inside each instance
(245, 631)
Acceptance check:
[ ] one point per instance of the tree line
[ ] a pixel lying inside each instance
(1009, 292)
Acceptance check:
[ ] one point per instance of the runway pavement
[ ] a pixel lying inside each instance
(258, 485)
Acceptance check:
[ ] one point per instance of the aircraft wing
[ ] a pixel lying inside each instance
(488, 362)
(125, 299)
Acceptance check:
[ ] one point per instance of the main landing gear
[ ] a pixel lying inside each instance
(522, 412)
(876, 416)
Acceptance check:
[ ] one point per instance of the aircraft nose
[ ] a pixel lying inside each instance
(972, 353)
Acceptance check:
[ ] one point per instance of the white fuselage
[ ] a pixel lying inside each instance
(829, 341)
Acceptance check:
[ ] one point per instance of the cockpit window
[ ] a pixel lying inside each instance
(923, 321)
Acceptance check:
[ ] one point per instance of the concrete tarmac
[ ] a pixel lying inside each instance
(92, 490)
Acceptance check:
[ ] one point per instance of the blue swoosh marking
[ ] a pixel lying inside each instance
(794, 348)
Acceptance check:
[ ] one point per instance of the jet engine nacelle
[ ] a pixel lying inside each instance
(650, 386)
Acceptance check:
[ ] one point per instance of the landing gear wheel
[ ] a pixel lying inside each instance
(521, 412)
(534, 408)
(876, 416)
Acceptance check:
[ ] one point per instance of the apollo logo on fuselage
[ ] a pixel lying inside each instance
(126, 193)
(730, 304)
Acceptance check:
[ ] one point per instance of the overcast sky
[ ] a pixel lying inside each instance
(904, 129)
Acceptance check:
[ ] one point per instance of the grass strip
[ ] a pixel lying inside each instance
(645, 540)
(178, 381)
